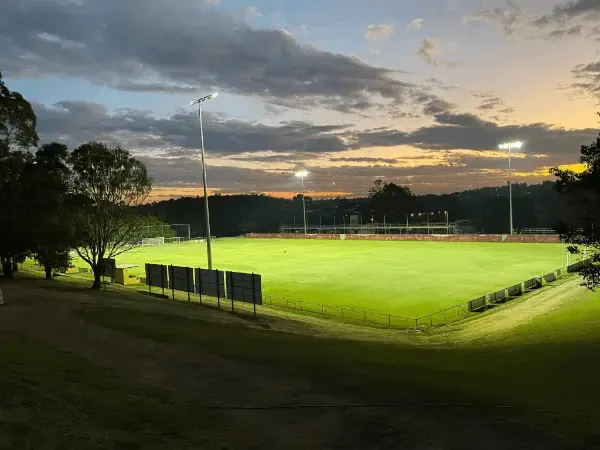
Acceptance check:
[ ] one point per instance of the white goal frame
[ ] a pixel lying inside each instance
(152, 242)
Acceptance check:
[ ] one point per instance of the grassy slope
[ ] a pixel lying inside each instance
(576, 321)
(408, 279)
(55, 397)
(546, 376)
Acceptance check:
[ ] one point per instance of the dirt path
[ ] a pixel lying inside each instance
(201, 377)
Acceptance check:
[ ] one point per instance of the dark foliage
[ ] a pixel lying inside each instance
(583, 191)
(106, 184)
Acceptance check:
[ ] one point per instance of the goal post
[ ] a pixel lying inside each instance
(164, 234)
(153, 241)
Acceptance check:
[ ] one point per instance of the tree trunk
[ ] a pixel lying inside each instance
(48, 270)
(7, 268)
(15, 266)
(97, 278)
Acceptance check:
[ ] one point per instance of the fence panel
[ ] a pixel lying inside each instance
(244, 287)
(497, 297)
(532, 283)
(210, 283)
(477, 304)
(549, 277)
(516, 290)
(156, 275)
(181, 278)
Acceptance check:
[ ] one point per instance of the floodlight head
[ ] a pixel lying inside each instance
(511, 145)
(203, 99)
(301, 173)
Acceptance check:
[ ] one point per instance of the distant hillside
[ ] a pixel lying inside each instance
(535, 206)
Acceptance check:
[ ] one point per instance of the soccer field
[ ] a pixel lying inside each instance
(409, 279)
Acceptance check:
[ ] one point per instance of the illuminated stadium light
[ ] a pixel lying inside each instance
(515, 145)
(301, 174)
(206, 212)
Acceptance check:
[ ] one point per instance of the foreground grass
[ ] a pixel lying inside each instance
(408, 279)
(53, 399)
(576, 322)
(550, 384)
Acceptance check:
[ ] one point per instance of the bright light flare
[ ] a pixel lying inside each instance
(511, 146)
(301, 174)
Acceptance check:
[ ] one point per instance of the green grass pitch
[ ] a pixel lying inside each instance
(408, 279)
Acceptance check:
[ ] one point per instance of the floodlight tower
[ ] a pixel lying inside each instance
(517, 145)
(206, 212)
(301, 174)
(447, 223)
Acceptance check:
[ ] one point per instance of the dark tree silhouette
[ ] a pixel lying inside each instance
(17, 133)
(584, 189)
(47, 193)
(107, 183)
(17, 121)
(390, 201)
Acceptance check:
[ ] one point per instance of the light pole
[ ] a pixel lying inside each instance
(510, 146)
(302, 174)
(428, 223)
(206, 213)
(447, 225)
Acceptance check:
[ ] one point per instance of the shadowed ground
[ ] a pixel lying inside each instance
(121, 370)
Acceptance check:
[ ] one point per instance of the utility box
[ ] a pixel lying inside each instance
(123, 277)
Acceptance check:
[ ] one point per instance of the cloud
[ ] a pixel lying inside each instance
(76, 122)
(491, 103)
(426, 50)
(588, 79)
(365, 160)
(429, 47)
(436, 105)
(575, 30)
(162, 46)
(379, 31)
(177, 135)
(585, 9)
(169, 147)
(416, 24)
(457, 173)
(435, 83)
(460, 131)
(508, 19)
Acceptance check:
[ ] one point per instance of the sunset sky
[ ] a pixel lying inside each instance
(416, 92)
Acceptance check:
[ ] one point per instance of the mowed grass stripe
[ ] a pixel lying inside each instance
(408, 279)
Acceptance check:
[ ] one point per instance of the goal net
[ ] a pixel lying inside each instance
(147, 242)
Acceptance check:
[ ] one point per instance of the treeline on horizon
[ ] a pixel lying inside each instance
(485, 209)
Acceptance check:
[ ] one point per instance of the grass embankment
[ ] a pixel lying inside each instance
(126, 376)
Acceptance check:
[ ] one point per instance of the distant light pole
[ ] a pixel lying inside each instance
(510, 146)
(428, 232)
(206, 212)
(447, 224)
(302, 174)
